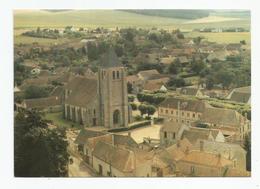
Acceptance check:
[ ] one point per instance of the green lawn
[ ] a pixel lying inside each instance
(59, 121)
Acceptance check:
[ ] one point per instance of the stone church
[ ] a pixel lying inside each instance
(100, 99)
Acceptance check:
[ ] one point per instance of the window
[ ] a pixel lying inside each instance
(166, 111)
(177, 120)
(176, 112)
(114, 75)
(193, 115)
(165, 134)
(117, 74)
(172, 112)
(188, 114)
(94, 112)
(182, 121)
(182, 114)
(173, 135)
(161, 110)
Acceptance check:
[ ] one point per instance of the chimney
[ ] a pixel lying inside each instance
(201, 145)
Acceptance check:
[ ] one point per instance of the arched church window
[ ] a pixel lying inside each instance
(117, 74)
(114, 75)
(116, 117)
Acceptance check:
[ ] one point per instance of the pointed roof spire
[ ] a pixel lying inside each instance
(110, 59)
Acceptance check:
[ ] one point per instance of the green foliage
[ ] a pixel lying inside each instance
(38, 150)
(151, 98)
(131, 98)
(149, 66)
(129, 87)
(176, 82)
(146, 109)
(133, 106)
(34, 91)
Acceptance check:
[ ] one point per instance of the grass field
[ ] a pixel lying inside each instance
(108, 19)
(225, 37)
(59, 121)
(42, 41)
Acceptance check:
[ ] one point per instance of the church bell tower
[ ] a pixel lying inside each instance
(112, 92)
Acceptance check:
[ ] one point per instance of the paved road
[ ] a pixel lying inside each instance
(79, 168)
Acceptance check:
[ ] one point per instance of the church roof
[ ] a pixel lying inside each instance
(110, 60)
(84, 91)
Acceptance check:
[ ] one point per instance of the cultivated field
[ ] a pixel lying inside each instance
(225, 37)
(111, 19)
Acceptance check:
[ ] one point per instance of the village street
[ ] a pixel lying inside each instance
(78, 168)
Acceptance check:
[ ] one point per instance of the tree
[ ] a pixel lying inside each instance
(173, 68)
(150, 109)
(142, 108)
(197, 67)
(34, 91)
(129, 87)
(209, 82)
(38, 150)
(176, 82)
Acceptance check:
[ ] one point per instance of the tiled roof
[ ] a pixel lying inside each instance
(84, 91)
(227, 150)
(148, 73)
(110, 59)
(187, 105)
(208, 159)
(42, 102)
(120, 158)
(85, 134)
(193, 134)
(221, 116)
(189, 91)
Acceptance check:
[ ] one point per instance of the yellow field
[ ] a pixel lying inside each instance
(225, 37)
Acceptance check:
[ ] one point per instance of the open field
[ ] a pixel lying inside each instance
(59, 121)
(210, 19)
(42, 41)
(110, 19)
(224, 37)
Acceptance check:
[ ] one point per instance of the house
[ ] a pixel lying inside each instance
(88, 139)
(183, 60)
(136, 83)
(194, 133)
(220, 55)
(116, 161)
(227, 118)
(182, 110)
(167, 60)
(192, 91)
(154, 85)
(242, 94)
(231, 151)
(147, 74)
(201, 163)
(169, 132)
(99, 100)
